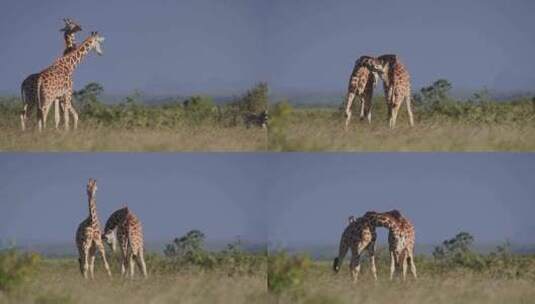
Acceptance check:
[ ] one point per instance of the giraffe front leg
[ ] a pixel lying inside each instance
(392, 265)
(46, 109)
(413, 266)
(404, 267)
(67, 110)
(372, 262)
(355, 267)
(56, 113)
(74, 117)
(409, 110)
(24, 117)
(395, 109)
(349, 102)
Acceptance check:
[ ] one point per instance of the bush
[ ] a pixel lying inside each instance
(278, 123)
(16, 268)
(286, 273)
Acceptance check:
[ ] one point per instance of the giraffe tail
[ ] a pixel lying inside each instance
(342, 251)
(39, 106)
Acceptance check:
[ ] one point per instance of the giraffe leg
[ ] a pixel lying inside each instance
(394, 116)
(413, 266)
(404, 266)
(140, 260)
(24, 117)
(66, 116)
(368, 110)
(131, 265)
(350, 98)
(392, 265)
(74, 117)
(355, 267)
(46, 109)
(362, 107)
(102, 251)
(371, 252)
(409, 110)
(56, 113)
(92, 255)
(85, 261)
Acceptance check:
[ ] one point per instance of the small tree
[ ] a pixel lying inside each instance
(434, 94)
(187, 245)
(255, 100)
(88, 96)
(458, 252)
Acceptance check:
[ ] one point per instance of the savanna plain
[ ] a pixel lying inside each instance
(198, 123)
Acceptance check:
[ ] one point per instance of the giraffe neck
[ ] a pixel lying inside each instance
(385, 74)
(72, 59)
(384, 221)
(93, 210)
(116, 218)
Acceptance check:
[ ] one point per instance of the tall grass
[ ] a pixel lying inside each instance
(197, 124)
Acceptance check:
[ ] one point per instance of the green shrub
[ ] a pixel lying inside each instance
(16, 268)
(286, 273)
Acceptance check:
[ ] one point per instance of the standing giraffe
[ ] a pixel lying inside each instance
(28, 87)
(358, 236)
(401, 239)
(55, 81)
(124, 227)
(361, 85)
(88, 238)
(396, 82)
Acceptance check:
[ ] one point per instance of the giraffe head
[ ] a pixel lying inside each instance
(95, 41)
(380, 64)
(336, 265)
(91, 187)
(71, 26)
(110, 237)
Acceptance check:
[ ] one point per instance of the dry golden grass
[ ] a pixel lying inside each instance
(322, 286)
(313, 130)
(59, 281)
(141, 139)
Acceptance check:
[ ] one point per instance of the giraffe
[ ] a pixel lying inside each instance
(124, 227)
(88, 238)
(359, 235)
(29, 85)
(56, 81)
(401, 239)
(396, 83)
(361, 85)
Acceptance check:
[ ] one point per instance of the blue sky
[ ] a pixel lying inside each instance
(225, 46)
(43, 197)
(289, 199)
(490, 195)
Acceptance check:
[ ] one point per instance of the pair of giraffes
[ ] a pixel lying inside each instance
(54, 85)
(360, 236)
(122, 227)
(396, 85)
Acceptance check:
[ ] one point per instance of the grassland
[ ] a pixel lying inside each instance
(455, 285)
(322, 130)
(59, 281)
(200, 125)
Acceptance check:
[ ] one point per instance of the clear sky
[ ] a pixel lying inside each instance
(290, 199)
(489, 195)
(43, 196)
(225, 46)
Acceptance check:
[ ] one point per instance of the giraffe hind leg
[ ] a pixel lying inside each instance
(140, 260)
